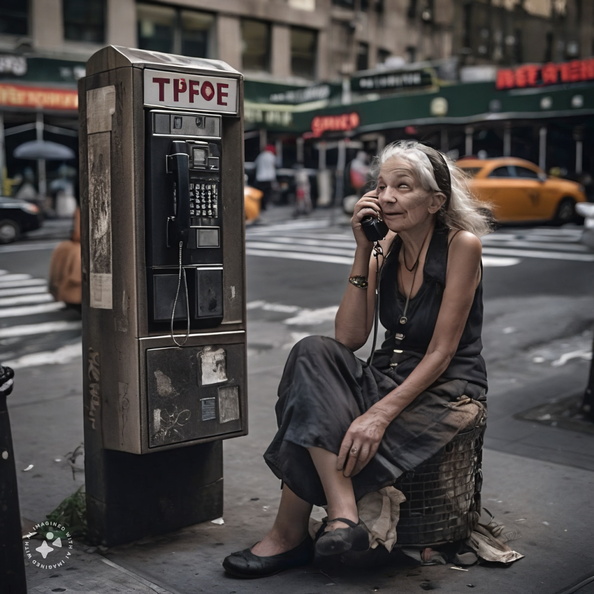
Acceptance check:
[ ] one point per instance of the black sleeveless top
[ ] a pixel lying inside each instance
(423, 309)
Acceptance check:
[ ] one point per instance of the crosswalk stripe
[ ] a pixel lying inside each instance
(43, 328)
(23, 291)
(557, 246)
(22, 299)
(309, 257)
(31, 282)
(499, 249)
(11, 312)
(4, 278)
(496, 251)
(59, 356)
(308, 248)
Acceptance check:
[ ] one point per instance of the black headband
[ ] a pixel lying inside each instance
(441, 171)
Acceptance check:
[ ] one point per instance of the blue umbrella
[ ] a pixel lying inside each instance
(43, 149)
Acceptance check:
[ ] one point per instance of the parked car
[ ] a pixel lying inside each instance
(518, 190)
(17, 217)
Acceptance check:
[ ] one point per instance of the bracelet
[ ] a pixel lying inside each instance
(358, 281)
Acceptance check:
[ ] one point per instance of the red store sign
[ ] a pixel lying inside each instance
(335, 123)
(532, 75)
(38, 97)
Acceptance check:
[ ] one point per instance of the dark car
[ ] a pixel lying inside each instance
(17, 217)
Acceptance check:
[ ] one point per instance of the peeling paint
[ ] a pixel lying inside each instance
(228, 404)
(165, 387)
(213, 364)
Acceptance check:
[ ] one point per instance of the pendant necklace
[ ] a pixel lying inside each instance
(403, 319)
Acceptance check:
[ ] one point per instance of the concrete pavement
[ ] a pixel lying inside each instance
(538, 482)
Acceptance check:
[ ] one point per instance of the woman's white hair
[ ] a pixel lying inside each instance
(461, 210)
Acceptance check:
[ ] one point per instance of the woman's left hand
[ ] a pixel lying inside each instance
(361, 442)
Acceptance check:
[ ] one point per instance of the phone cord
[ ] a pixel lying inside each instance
(377, 252)
(181, 274)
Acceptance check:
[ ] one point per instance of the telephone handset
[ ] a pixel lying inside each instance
(375, 229)
(178, 162)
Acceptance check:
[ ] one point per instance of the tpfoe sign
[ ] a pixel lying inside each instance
(174, 89)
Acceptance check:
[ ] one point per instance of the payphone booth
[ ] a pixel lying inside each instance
(164, 336)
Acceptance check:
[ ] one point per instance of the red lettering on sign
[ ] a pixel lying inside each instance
(179, 86)
(588, 69)
(549, 74)
(527, 76)
(340, 123)
(208, 91)
(222, 94)
(505, 79)
(530, 75)
(194, 90)
(161, 82)
(571, 71)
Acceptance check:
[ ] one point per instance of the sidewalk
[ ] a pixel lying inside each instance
(538, 482)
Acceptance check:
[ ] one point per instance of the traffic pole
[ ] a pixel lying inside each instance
(12, 561)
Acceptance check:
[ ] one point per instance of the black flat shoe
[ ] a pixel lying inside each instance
(341, 540)
(244, 564)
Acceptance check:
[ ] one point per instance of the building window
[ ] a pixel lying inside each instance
(411, 54)
(382, 56)
(196, 30)
(84, 21)
(171, 30)
(344, 3)
(363, 56)
(255, 37)
(303, 52)
(549, 45)
(518, 54)
(467, 19)
(156, 28)
(15, 17)
(411, 11)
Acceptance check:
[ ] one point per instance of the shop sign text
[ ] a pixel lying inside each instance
(335, 123)
(392, 81)
(38, 97)
(534, 75)
(174, 89)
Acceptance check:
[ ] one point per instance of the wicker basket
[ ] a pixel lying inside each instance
(443, 494)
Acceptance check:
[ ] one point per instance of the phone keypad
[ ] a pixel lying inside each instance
(204, 199)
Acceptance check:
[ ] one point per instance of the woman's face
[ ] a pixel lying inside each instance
(403, 200)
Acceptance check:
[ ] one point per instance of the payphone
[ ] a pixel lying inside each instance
(190, 222)
(164, 333)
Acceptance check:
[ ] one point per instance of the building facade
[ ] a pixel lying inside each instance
(299, 58)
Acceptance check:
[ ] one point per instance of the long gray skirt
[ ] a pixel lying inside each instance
(325, 387)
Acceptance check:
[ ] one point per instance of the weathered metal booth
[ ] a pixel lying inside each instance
(164, 332)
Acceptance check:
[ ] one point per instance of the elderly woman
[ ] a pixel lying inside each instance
(349, 427)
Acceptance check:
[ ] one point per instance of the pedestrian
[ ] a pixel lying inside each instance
(303, 203)
(266, 174)
(65, 270)
(349, 427)
(359, 172)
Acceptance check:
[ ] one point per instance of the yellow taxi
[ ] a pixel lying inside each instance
(518, 190)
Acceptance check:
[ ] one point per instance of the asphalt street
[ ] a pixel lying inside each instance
(538, 478)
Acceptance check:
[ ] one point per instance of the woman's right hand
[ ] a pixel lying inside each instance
(366, 206)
